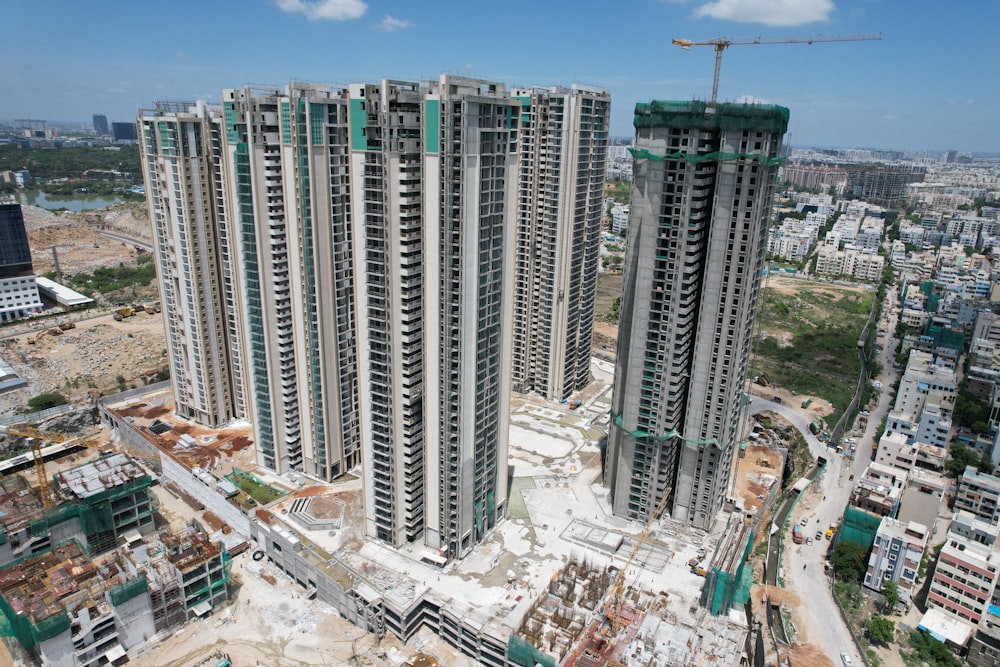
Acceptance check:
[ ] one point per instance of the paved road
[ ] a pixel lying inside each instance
(803, 564)
(138, 243)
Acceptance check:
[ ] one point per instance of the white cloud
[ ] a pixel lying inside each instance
(179, 54)
(890, 117)
(120, 88)
(392, 24)
(768, 12)
(325, 10)
(750, 99)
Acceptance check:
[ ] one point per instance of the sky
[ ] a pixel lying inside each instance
(931, 83)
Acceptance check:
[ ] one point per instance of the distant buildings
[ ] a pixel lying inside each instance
(696, 241)
(18, 291)
(101, 125)
(123, 132)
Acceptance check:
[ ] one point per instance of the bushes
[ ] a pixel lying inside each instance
(46, 401)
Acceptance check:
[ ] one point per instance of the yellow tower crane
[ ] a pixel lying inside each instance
(616, 594)
(37, 437)
(722, 43)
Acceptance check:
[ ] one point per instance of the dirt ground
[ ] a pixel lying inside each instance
(85, 362)
(817, 408)
(756, 472)
(77, 237)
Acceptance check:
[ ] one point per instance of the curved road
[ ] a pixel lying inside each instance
(817, 611)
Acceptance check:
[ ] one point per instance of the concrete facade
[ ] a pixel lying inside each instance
(181, 158)
(701, 199)
(563, 143)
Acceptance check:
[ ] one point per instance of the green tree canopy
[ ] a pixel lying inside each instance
(890, 590)
(880, 630)
(46, 401)
(849, 561)
(960, 458)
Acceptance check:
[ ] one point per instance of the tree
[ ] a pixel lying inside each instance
(46, 401)
(961, 457)
(880, 630)
(850, 561)
(890, 590)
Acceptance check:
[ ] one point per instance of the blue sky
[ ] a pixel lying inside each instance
(933, 82)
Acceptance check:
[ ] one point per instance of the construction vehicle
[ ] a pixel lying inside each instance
(722, 43)
(37, 437)
(66, 326)
(614, 621)
(123, 312)
(152, 308)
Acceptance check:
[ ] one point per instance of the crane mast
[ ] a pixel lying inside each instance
(616, 593)
(722, 43)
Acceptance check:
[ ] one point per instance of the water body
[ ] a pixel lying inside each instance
(75, 203)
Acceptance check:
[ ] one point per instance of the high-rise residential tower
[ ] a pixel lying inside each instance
(563, 144)
(701, 198)
(287, 182)
(181, 164)
(434, 180)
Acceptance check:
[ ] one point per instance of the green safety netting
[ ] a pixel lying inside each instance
(726, 116)
(20, 626)
(695, 158)
(128, 590)
(3, 535)
(522, 653)
(859, 527)
(617, 419)
(724, 589)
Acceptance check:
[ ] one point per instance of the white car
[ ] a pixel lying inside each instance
(846, 659)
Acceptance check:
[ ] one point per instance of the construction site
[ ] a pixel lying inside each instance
(561, 582)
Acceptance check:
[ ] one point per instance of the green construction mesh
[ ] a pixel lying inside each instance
(731, 588)
(859, 527)
(3, 535)
(695, 158)
(727, 116)
(54, 517)
(28, 633)
(53, 626)
(945, 337)
(522, 653)
(128, 590)
(617, 418)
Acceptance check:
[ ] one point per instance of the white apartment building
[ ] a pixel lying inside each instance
(562, 140)
(182, 168)
(896, 555)
(434, 169)
(291, 241)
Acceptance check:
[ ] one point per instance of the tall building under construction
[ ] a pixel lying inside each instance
(701, 196)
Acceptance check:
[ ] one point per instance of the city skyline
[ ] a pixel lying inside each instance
(918, 88)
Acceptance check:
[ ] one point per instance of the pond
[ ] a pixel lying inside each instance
(73, 203)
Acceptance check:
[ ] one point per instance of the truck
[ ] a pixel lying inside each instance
(797, 535)
(815, 427)
(806, 403)
(123, 312)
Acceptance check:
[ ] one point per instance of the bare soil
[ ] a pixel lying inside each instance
(100, 354)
